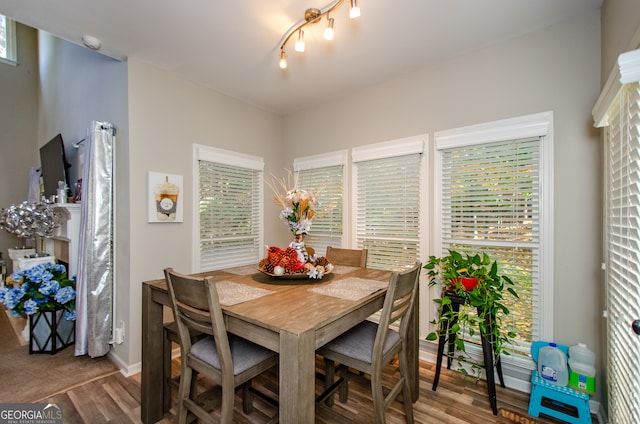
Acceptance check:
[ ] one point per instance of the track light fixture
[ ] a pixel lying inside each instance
(312, 16)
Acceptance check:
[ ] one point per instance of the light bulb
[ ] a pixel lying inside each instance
(354, 10)
(328, 33)
(300, 41)
(283, 60)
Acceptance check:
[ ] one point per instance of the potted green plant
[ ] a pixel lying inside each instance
(485, 294)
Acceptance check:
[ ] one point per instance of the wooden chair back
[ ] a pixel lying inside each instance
(398, 305)
(347, 257)
(196, 307)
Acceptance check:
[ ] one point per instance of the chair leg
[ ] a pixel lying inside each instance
(378, 397)
(406, 388)
(329, 372)
(166, 373)
(247, 398)
(344, 389)
(226, 407)
(184, 393)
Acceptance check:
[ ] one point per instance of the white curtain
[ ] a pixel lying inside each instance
(94, 303)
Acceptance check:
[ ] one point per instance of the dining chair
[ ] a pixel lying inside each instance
(347, 257)
(227, 360)
(369, 347)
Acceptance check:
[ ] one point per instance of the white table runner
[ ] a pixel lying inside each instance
(343, 269)
(242, 270)
(352, 288)
(231, 293)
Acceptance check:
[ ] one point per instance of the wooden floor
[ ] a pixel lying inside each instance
(116, 399)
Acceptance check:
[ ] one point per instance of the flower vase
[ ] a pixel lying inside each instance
(40, 246)
(298, 245)
(50, 332)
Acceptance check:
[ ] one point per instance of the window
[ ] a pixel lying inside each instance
(495, 192)
(324, 175)
(389, 212)
(7, 40)
(229, 208)
(622, 245)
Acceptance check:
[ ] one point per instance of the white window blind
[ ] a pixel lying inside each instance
(230, 207)
(326, 229)
(491, 202)
(622, 240)
(388, 210)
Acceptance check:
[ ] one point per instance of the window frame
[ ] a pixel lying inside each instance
(535, 125)
(231, 158)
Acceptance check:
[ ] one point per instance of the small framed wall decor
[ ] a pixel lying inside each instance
(165, 198)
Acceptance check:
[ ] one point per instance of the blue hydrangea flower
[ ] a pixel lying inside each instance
(70, 315)
(49, 287)
(12, 297)
(44, 287)
(30, 307)
(65, 295)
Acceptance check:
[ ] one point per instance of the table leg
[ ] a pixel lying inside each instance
(152, 359)
(297, 378)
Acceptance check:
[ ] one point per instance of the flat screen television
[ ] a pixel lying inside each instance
(54, 165)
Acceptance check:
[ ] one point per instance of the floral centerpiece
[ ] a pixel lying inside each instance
(43, 288)
(297, 212)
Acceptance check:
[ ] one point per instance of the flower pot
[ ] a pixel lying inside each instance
(467, 282)
(50, 332)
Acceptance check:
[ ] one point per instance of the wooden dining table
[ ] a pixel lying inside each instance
(292, 319)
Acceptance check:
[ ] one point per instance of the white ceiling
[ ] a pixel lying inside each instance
(233, 46)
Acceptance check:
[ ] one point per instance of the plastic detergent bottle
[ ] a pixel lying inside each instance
(552, 365)
(582, 364)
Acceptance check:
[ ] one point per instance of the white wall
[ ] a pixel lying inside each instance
(167, 115)
(556, 69)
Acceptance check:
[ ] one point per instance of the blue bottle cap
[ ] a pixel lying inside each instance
(553, 344)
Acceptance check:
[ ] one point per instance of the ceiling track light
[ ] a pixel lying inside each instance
(312, 16)
(300, 41)
(354, 10)
(328, 33)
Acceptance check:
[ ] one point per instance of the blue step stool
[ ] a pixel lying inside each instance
(560, 402)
